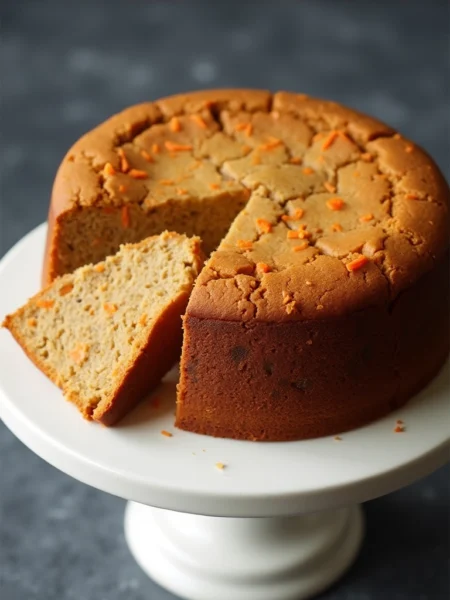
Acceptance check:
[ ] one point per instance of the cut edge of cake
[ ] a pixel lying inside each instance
(81, 330)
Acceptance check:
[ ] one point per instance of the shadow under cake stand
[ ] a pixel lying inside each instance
(281, 521)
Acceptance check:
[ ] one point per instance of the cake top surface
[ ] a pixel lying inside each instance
(343, 212)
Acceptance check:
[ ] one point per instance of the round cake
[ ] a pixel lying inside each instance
(325, 305)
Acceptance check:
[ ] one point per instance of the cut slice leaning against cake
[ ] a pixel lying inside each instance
(107, 333)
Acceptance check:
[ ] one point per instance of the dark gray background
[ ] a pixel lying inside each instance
(64, 67)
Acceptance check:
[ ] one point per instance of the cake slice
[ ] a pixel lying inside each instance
(107, 333)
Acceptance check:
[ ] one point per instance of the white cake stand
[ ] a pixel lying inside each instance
(211, 557)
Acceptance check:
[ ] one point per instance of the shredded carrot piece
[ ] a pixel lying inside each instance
(297, 215)
(409, 149)
(367, 157)
(125, 217)
(143, 319)
(148, 157)
(214, 186)
(357, 263)
(166, 433)
(66, 289)
(302, 234)
(166, 182)
(245, 244)
(110, 308)
(155, 149)
(246, 127)
(270, 145)
(100, 267)
(31, 322)
(109, 169)
(336, 227)
(264, 225)
(138, 174)
(124, 164)
(256, 159)
(44, 303)
(399, 429)
(263, 267)
(308, 171)
(220, 466)
(412, 196)
(366, 218)
(329, 141)
(175, 124)
(329, 187)
(109, 210)
(122, 188)
(198, 120)
(292, 235)
(181, 191)
(79, 353)
(335, 203)
(174, 147)
(300, 247)
(296, 160)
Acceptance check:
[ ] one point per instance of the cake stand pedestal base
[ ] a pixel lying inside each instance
(214, 558)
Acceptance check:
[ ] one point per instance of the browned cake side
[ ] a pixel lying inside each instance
(326, 305)
(303, 379)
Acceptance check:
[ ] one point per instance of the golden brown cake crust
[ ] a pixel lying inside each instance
(395, 200)
(344, 234)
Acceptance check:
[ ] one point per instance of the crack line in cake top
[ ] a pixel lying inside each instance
(389, 224)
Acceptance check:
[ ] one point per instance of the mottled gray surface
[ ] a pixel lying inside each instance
(65, 66)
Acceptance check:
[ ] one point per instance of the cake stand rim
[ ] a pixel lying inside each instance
(213, 502)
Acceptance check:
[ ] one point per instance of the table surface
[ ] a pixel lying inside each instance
(64, 67)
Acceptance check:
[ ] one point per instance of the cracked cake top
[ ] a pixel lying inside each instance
(343, 212)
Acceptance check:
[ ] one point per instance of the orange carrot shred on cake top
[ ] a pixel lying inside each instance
(138, 174)
(357, 263)
(200, 121)
(335, 204)
(264, 225)
(124, 164)
(174, 147)
(329, 141)
(109, 169)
